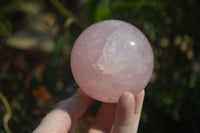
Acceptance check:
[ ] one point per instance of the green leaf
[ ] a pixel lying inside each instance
(99, 10)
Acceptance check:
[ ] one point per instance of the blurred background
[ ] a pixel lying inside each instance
(36, 37)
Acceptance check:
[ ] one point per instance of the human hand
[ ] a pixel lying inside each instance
(122, 117)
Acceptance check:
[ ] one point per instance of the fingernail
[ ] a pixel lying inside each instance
(127, 98)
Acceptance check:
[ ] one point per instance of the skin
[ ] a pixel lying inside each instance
(122, 117)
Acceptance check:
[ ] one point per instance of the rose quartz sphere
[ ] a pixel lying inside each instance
(111, 57)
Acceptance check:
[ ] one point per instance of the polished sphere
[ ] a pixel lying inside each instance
(111, 57)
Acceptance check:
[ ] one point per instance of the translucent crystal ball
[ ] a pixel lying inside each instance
(111, 57)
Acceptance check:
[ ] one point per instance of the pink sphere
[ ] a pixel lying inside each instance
(111, 57)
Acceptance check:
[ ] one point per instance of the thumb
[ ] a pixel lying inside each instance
(61, 118)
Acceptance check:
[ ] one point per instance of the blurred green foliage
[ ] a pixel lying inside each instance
(33, 80)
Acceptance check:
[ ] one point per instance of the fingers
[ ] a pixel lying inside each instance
(67, 112)
(104, 119)
(139, 103)
(124, 114)
(61, 118)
